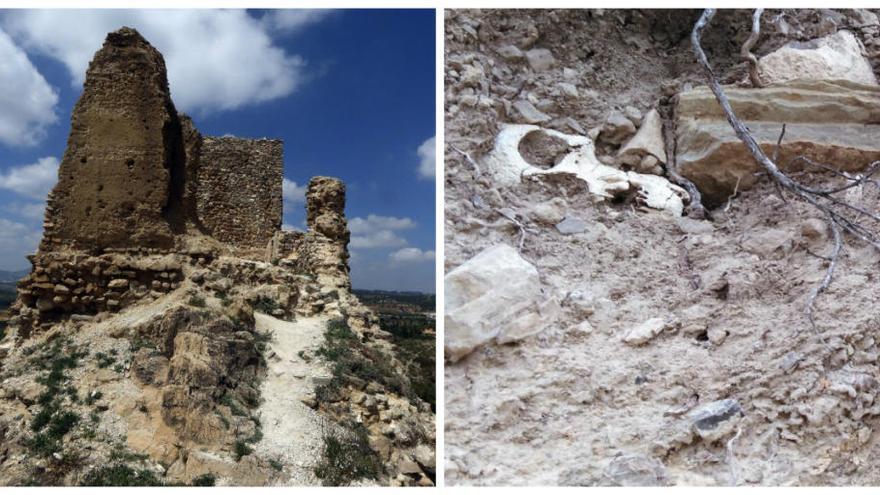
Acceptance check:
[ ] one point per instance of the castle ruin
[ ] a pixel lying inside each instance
(141, 193)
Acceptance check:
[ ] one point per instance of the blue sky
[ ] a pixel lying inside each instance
(350, 92)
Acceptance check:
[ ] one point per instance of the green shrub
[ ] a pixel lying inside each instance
(197, 301)
(224, 299)
(233, 404)
(265, 305)
(204, 480)
(276, 464)
(43, 445)
(351, 359)
(42, 418)
(241, 449)
(347, 457)
(63, 423)
(104, 360)
(50, 417)
(120, 475)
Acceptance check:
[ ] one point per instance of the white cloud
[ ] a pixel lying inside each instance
(29, 211)
(293, 194)
(411, 255)
(378, 231)
(16, 241)
(427, 158)
(372, 223)
(34, 180)
(291, 20)
(27, 102)
(380, 238)
(216, 59)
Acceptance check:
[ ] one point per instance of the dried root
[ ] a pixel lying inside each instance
(842, 215)
(746, 51)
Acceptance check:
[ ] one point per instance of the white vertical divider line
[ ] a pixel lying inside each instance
(440, 181)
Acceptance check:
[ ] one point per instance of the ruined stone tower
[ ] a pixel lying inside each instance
(114, 182)
(139, 187)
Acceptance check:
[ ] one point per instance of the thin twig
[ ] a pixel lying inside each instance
(522, 229)
(731, 459)
(468, 158)
(735, 192)
(829, 273)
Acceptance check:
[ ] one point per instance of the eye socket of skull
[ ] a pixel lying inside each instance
(542, 150)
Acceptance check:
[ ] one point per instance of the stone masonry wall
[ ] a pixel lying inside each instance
(239, 190)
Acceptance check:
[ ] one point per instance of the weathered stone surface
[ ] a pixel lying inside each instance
(647, 141)
(641, 334)
(716, 419)
(510, 53)
(325, 208)
(617, 128)
(572, 225)
(814, 228)
(528, 113)
(636, 470)
(323, 250)
(568, 89)
(205, 355)
(549, 212)
(540, 59)
(828, 122)
(114, 179)
(239, 189)
(494, 295)
(835, 57)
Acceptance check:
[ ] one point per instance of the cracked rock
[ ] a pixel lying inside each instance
(717, 419)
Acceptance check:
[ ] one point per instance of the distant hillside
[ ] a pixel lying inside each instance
(387, 301)
(409, 317)
(12, 276)
(7, 286)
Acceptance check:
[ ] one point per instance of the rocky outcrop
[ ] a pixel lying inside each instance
(646, 151)
(322, 252)
(207, 356)
(495, 296)
(836, 57)
(325, 208)
(239, 199)
(829, 122)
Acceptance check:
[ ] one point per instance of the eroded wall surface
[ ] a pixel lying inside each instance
(239, 189)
